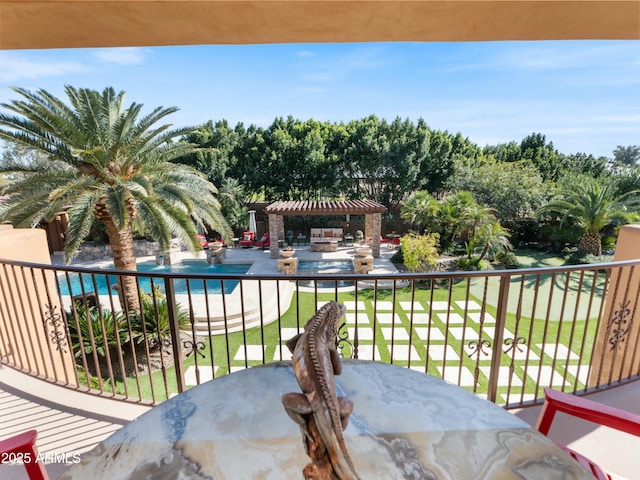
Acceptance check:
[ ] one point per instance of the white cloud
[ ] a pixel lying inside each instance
(622, 118)
(305, 53)
(121, 56)
(15, 67)
(546, 56)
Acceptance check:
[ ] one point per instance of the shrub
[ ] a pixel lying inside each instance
(577, 258)
(155, 311)
(472, 264)
(91, 321)
(508, 259)
(420, 252)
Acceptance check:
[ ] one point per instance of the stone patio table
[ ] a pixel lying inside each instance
(405, 425)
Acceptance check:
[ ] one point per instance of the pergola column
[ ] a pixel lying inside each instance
(276, 231)
(373, 230)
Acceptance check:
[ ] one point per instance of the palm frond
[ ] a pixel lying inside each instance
(81, 218)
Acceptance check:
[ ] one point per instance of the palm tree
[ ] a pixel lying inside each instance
(231, 197)
(494, 238)
(420, 209)
(455, 217)
(591, 206)
(105, 162)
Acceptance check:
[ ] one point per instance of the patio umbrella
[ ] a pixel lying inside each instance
(252, 222)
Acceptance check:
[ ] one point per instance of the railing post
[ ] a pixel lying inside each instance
(176, 345)
(501, 318)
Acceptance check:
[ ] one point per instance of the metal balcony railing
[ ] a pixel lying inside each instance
(505, 335)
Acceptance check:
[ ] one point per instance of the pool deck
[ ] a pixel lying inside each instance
(253, 303)
(264, 264)
(261, 260)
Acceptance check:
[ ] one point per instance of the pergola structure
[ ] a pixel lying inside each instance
(372, 212)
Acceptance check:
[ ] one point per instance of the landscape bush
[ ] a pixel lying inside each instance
(420, 252)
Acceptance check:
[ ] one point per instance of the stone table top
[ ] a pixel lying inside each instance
(405, 425)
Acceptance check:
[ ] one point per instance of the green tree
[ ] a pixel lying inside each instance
(438, 164)
(513, 190)
(381, 161)
(251, 167)
(535, 149)
(629, 156)
(591, 206)
(504, 152)
(595, 167)
(107, 162)
(494, 238)
(215, 156)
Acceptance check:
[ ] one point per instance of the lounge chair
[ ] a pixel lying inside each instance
(204, 243)
(264, 242)
(247, 239)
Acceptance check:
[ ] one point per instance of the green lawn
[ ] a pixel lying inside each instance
(412, 349)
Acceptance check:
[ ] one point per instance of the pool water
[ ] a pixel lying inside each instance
(196, 286)
(325, 266)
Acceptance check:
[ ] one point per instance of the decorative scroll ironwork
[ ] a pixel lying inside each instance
(616, 332)
(342, 340)
(57, 334)
(477, 347)
(193, 347)
(513, 344)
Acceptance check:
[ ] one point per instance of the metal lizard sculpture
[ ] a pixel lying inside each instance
(322, 416)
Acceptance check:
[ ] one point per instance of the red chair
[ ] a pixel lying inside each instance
(204, 243)
(22, 449)
(247, 239)
(264, 242)
(588, 410)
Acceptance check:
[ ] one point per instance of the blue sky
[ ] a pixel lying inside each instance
(584, 96)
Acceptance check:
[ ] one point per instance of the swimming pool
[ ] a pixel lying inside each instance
(196, 286)
(307, 267)
(325, 266)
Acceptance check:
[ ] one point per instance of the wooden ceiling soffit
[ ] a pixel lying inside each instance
(328, 207)
(35, 24)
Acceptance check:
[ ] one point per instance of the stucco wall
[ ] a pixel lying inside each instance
(617, 348)
(32, 334)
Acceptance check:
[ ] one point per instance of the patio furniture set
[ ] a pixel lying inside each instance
(321, 239)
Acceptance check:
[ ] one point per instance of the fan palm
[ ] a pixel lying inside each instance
(105, 162)
(591, 206)
(420, 209)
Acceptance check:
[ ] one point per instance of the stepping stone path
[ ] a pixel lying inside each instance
(439, 338)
